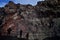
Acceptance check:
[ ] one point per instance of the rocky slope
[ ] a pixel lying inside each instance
(40, 21)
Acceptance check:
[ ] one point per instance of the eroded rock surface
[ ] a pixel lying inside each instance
(40, 21)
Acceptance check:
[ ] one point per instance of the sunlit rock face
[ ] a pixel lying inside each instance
(39, 21)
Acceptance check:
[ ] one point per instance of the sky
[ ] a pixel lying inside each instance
(32, 2)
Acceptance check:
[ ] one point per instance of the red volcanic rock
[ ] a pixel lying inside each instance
(13, 22)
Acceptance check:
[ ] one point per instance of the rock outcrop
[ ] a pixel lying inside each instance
(40, 21)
